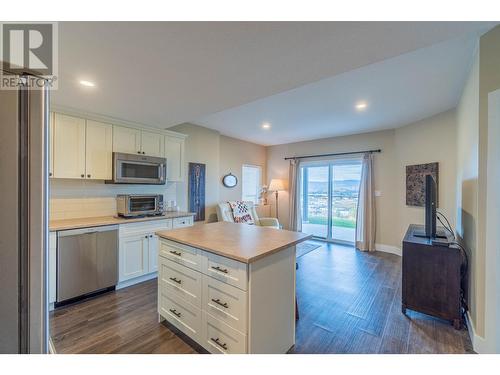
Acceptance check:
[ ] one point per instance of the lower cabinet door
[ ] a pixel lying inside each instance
(219, 338)
(186, 317)
(134, 254)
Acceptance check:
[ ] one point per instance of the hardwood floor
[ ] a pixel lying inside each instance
(349, 302)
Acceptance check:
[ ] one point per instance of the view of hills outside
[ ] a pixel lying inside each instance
(344, 201)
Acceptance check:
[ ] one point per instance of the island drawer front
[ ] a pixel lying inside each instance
(180, 281)
(181, 314)
(225, 302)
(219, 338)
(185, 255)
(227, 270)
(180, 222)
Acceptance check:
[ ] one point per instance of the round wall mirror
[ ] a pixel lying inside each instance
(230, 180)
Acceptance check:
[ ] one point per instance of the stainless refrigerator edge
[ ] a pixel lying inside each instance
(24, 220)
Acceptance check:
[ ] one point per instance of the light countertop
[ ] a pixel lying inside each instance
(85, 222)
(241, 242)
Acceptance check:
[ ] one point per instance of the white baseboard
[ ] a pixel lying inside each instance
(478, 342)
(388, 249)
(136, 280)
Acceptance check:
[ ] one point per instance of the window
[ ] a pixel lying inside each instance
(250, 183)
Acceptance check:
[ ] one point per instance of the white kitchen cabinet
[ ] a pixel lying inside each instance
(98, 150)
(52, 267)
(152, 144)
(126, 140)
(135, 141)
(174, 152)
(139, 247)
(51, 144)
(69, 146)
(134, 256)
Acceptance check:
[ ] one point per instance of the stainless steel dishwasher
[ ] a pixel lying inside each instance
(87, 261)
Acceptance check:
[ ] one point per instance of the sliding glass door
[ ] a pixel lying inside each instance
(329, 198)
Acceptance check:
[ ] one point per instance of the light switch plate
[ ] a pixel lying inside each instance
(378, 193)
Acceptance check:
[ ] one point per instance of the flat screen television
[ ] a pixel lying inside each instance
(430, 209)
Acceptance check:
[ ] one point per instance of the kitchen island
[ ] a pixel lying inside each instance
(230, 287)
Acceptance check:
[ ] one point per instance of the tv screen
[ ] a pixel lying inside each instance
(430, 206)
(430, 209)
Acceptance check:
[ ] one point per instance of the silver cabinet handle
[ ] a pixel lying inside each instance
(218, 302)
(223, 345)
(223, 270)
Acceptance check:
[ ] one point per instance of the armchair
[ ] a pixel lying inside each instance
(224, 213)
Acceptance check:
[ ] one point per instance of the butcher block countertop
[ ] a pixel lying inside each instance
(241, 242)
(86, 222)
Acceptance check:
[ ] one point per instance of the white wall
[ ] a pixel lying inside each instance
(467, 186)
(221, 155)
(202, 146)
(429, 140)
(89, 198)
(233, 154)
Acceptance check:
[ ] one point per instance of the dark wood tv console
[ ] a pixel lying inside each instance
(431, 277)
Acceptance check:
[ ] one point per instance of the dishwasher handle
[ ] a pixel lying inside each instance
(89, 230)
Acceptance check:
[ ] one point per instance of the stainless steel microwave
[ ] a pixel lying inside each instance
(138, 169)
(131, 205)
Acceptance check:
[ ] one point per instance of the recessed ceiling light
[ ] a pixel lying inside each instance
(266, 125)
(87, 83)
(361, 106)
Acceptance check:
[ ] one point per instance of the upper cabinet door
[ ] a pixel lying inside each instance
(69, 146)
(51, 144)
(99, 150)
(152, 144)
(126, 140)
(174, 152)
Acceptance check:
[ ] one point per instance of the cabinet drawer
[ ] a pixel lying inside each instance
(181, 314)
(185, 255)
(227, 270)
(180, 281)
(225, 302)
(180, 222)
(218, 337)
(128, 229)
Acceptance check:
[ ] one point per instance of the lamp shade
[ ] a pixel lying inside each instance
(276, 185)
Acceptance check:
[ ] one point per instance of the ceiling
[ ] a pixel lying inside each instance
(396, 92)
(165, 73)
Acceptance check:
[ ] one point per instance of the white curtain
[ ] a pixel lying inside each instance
(294, 219)
(365, 220)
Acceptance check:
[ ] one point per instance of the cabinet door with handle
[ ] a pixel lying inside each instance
(69, 146)
(126, 140)
(99, 149)
(133, 256)
(151, 144)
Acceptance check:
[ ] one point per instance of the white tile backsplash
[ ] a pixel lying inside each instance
(71, 199)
